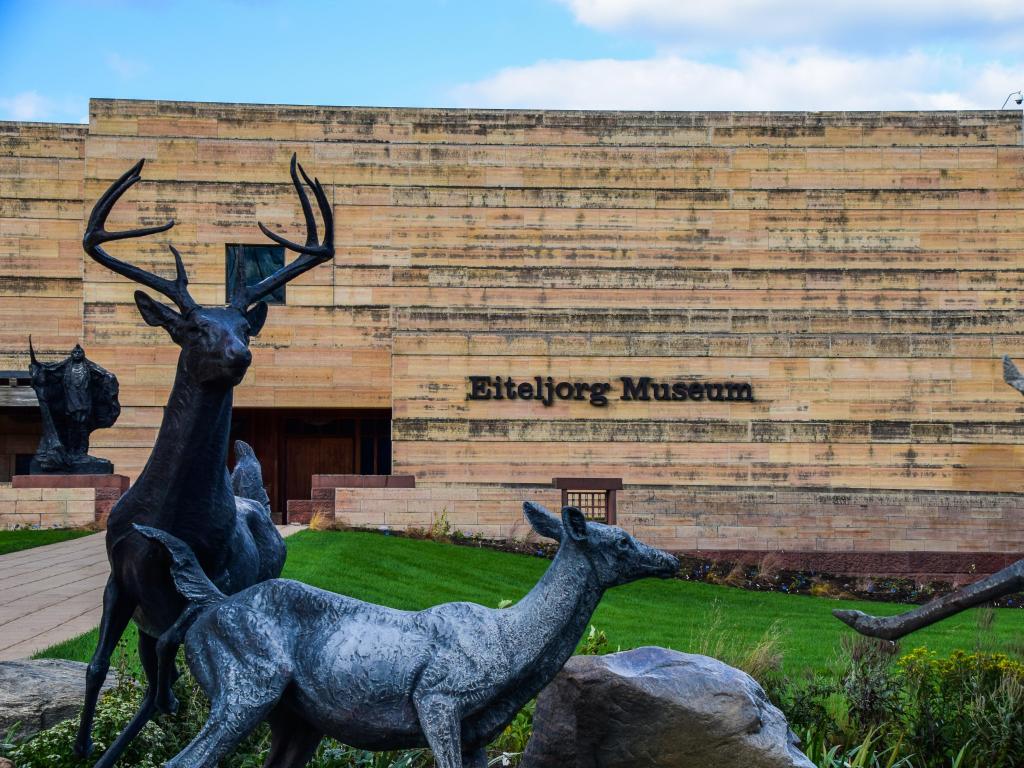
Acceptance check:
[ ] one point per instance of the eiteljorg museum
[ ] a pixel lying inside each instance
(727, 332)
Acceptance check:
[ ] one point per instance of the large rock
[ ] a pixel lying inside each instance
(655, 708)
(35, 694)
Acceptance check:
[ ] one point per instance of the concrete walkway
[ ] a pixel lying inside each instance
(53, 593)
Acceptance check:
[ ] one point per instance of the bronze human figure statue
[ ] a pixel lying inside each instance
(185, 488)
(76, 396)
(1005, 582)
(451, 677)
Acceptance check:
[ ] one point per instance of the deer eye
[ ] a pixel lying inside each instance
(624, 545)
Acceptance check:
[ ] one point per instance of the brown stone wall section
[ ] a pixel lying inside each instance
(767, 520)
(321, 503)
(490, 511)
(941, 535)
(923, 567)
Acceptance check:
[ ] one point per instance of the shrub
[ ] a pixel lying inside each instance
(975, 698)
(871, 690)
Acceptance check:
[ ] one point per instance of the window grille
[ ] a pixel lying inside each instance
(593, 496)
(593, 504)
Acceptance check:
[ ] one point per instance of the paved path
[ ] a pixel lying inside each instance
(53, 593)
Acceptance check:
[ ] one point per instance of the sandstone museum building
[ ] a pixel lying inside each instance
(763, 332)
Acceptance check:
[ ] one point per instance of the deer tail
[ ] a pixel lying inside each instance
(247, 476)
(190, 580)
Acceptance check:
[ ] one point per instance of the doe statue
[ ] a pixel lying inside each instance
(76, 397)
(451, 677)
(1005, 582)
(185, 488)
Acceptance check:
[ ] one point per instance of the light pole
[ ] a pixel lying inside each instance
(1018, 98)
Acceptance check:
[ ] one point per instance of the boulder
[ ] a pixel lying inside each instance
(656, 708)
(38, 693)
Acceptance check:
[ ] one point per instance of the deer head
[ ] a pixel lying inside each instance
(214, 341)
(615, 557)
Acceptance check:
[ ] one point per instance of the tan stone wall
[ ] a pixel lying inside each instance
(494, 512)
(216, 170)
(861, 270)
(41, 169)
(797, 520)
(711, 520)
(46, 507)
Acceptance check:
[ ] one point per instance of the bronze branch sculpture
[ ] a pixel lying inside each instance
(1005, 582)
(185, 488)
(451, 677)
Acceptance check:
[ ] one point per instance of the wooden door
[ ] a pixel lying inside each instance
(308, 455)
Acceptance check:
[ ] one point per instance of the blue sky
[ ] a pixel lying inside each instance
(580, 54)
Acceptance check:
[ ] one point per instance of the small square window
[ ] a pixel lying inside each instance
(593, 496)
(258, 262)
(593, 504)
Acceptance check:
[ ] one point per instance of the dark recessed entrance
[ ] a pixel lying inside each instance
(20, 430)
(293, 444)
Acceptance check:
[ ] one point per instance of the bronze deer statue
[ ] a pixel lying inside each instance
(1005, 582)
(185, 488)
(451, 677)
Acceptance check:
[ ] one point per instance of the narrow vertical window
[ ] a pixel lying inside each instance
(253, 263)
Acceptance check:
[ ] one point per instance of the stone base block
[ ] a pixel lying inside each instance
(303, 512)
(61, 500)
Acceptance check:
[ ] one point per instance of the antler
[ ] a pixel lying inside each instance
(310, 255)
(95, 235)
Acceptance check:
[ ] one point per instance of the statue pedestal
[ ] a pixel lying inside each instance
(83, 465)
(74, 491)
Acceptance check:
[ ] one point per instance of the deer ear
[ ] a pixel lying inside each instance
(256, 316)
(542, 521)
(574, 523)
(157, 314)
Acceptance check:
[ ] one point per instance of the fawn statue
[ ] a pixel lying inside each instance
(451, 677)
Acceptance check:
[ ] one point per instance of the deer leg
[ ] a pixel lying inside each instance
(166, 651)
(1005, 582)
(292, 741)
(117, 612)
(233, 716)
(245, 675)
(440, 722)
(148, 657)
(475, 759)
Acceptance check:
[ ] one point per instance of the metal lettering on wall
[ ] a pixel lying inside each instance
(630, 389)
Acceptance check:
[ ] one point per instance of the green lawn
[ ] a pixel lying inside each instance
(687, 616)
(24, 538)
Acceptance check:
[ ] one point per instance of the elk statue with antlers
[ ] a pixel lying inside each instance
(185, 488)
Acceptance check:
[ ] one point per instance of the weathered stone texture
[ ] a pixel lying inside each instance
(860, 269)
(41, 170)
(50, 507)
(657, 708)
(38, 693)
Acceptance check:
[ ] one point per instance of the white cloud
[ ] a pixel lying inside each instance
(27, 105)
(31, 105)
(125, 67)
(856, 24)
(760, 80)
